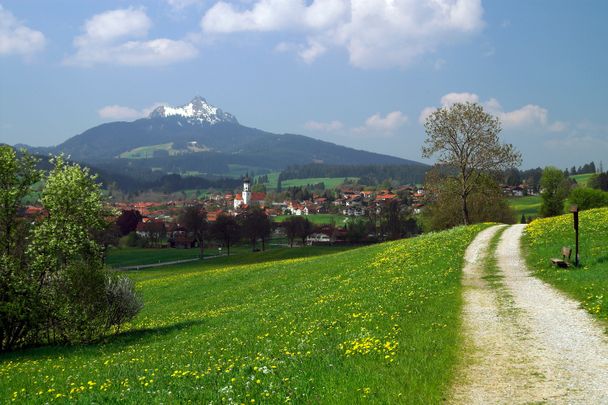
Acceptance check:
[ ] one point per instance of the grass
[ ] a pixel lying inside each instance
(529, 206)
(318, 219)
(379, 323)
(544, 238)
(146, 152)
(330, 182)
(582, 179)
(135, 256)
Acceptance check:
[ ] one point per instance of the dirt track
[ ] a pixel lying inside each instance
(525, 341)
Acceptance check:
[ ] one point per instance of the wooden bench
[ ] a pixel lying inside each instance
(563, 262)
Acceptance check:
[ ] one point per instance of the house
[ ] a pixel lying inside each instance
(318, 238)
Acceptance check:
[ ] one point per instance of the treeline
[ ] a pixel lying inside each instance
(147, 180)
(368, 174)
(531, 177)
(585, 169)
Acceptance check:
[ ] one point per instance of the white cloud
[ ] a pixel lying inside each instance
(384, 125)
(453, 98)
(528, 117)
(312, 52)
(17, 38)
(439, 64)
(115, 24)
(583, 144)
(182, 4)
(376, 33)
(331, 126)
(118, 37)
(119, 112)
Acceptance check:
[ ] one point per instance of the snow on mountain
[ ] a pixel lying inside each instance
(196, 111)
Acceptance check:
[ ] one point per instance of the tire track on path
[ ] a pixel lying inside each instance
(525, 342)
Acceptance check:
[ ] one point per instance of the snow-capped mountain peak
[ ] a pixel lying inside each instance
(196, 111)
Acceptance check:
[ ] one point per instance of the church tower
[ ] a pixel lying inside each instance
(246, 190)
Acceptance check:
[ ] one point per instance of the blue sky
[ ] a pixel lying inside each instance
(361, 73)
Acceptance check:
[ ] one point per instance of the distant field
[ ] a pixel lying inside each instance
(238, 171)
(582, 179)
(133, 256)
(330, 182)
(529, 206)
(146, 152)
(377, 324)
(544, 238)
(319, 219)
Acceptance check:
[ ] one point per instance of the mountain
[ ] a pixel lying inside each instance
(199, 137)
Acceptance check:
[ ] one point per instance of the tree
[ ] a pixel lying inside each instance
(443, 209)
(53, 284)
(194, 219)
(466, 139)
(128, 220)
(304, 229)
(226, 230)
(297, 227)
(17, 176)
(599, 181)
(255, 225)
(587, 198)
(555, 189)
(392, 219)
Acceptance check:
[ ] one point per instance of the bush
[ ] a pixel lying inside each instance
(123, 302)
(587, 198)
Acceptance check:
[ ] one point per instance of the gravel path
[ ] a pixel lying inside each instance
(525, 341)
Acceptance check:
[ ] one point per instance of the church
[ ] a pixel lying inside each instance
(248, 198)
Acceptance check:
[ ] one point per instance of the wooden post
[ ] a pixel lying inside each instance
(574, 211)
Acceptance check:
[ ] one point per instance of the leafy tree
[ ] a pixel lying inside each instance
(53, 285)
(443, 209)
(297, 227)
(128, 220)
(587, 198)
(194, 219)
(392, 219)
(73, 204)
(255, 225)
(357, 230)
(155, 230)
(17, 176)
(466, 139)
(599, 181)
(305, 228)
(226, 230)
(555, 189)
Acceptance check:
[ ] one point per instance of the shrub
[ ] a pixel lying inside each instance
(123, 302)
(587, 198)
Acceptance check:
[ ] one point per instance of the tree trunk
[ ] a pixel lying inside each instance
(465, 210)
(263, 244)
(201, 244)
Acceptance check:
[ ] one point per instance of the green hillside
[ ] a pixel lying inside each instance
(544, 238)
(529, 205)
(582, 179)
(377, 323)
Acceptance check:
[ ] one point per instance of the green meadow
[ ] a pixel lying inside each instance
(582, 179)
(317, 219)
(121, 257)
(303, 325)
(588, 283)
(330, 182)
(529, 205)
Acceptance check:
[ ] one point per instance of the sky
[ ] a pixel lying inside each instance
(361, 73)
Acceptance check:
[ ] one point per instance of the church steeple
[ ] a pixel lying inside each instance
(246, 189)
